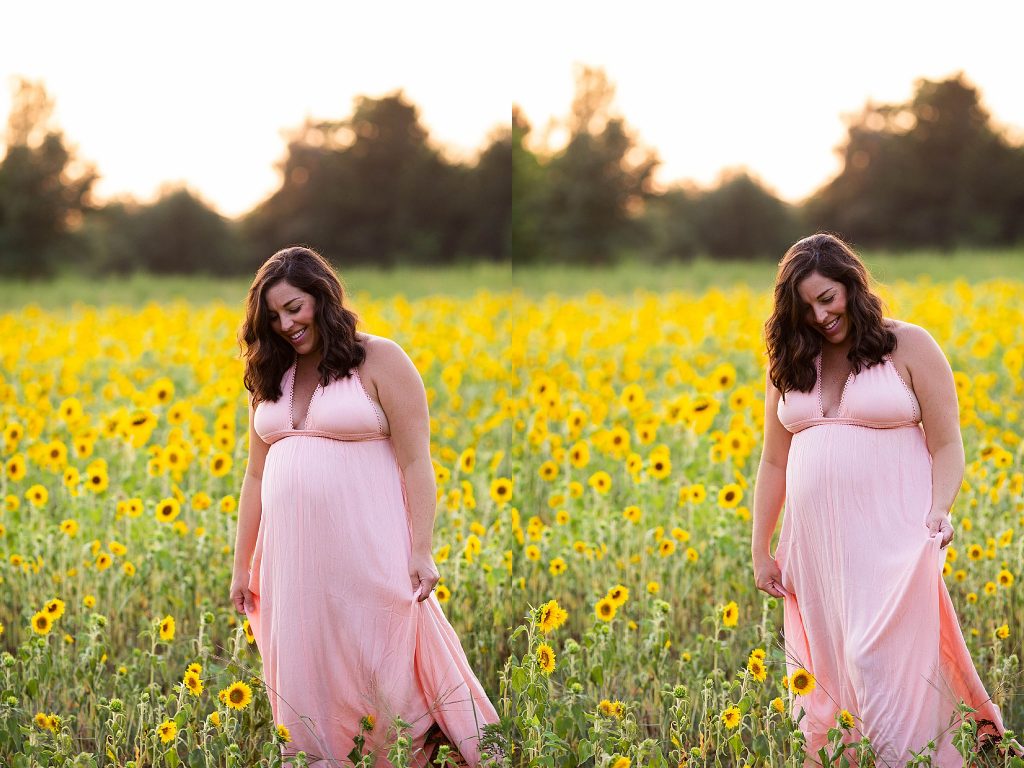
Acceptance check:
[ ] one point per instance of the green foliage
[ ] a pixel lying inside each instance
(371, 189)
(43, 191)
(933, 171)
(178, 234)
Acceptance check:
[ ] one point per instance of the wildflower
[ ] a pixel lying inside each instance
(605, 609)
(283, 734)
(167, 628)
(37, 495)
(247, 630)
(1005, 578)
(692, 554)
(167, 510)
(557, 566)
(622, 762)
(42, 623)
(731, 717)
(167, 731)
(1003, 632)
(729, 496)
(220, 464)
(55, 608)
(367, 722)
(237, 695)
(193, 683)
(103, 561)
(501, 490)
(660, 467)
(730, 614)
(214, 719)
(618, 595)
(757, 669)
(600, 481)
(778, 705)
(666, 547)
(552, 616)
(579, 455)
(548, 471)
(546, 658)
(632, 514)
(653, 587)
(69, 527)
(611, 708)
(802, 682)
(845, 719)
(443, 593)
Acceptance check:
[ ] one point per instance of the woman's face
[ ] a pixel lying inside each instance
(824, 301)
(293, 316)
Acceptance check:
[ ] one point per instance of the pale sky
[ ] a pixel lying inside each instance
(761, 84)
(200, 91)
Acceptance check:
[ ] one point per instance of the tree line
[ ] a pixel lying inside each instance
(368, 189)
(933, 172)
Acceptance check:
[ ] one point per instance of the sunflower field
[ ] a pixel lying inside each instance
(594, 456)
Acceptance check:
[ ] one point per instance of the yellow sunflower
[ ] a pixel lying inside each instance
(546, 658)
(801, 682)
(237, 695)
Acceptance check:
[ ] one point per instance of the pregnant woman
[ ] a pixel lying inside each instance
(862, 441)
(336, 515)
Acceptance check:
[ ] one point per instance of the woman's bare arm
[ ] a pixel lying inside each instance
(931, 379)
(769, 493)
(403, 398)
(250, 511)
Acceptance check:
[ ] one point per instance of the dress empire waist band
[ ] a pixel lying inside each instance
(352, 437)
(799, 426)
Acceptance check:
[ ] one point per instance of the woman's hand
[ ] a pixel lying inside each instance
(423, 575)
(240, 594)
(767, 576)
(938, 525)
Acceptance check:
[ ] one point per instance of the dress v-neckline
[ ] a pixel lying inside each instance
(842, 394)
(291, 401)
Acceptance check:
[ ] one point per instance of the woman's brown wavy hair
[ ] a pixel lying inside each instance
(267, 355)
(792, 343)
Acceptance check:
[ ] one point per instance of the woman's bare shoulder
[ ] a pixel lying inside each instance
(385, 360)
(380, 350)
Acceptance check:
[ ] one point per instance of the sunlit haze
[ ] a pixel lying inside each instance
(200, 92)
(763, 85)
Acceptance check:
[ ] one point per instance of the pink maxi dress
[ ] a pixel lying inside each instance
(337, 624)
(866, 610)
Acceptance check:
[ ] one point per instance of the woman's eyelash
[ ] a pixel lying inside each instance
(273, 315)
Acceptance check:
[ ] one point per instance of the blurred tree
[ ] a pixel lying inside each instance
(43, 188)
(930, 172)
(671, 222)
(740, 218)
(178, 234)
(597, 182)
(369, 189)
(486, 233)
(528, 178)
